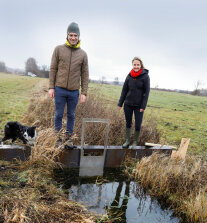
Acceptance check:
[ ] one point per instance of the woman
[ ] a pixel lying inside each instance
(134, 95)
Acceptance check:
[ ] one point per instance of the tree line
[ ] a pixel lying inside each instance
(43, 71)
(30, 67)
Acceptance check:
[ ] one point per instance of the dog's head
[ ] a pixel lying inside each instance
(30, 134)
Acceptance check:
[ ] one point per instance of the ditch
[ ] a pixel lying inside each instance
(114, 194)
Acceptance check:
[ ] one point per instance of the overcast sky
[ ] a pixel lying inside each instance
(170, 36)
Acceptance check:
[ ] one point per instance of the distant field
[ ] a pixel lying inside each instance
(15, 94)
(179, 115)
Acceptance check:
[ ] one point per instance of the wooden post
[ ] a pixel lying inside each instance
(181, 153)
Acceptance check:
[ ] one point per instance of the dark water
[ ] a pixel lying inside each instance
(121, 199)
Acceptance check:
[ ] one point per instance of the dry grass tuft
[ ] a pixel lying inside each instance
(41, 113)
(182, 183)
(45, 145)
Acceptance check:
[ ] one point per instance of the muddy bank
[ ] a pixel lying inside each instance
(29, 194)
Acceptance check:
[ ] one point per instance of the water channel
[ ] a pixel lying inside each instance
(122, 199)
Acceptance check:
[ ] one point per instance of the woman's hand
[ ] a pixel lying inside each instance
(119, 107)
(141, 110)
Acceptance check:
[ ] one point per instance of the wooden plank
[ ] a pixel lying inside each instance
(159, 145)
(181, 153)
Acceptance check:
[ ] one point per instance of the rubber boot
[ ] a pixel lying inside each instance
(69, 143)
(58, 143)
(136, 136)
(128, 133)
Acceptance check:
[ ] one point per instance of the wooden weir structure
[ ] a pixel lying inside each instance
(91, 160)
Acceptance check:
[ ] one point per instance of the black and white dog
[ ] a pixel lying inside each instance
(14, 130)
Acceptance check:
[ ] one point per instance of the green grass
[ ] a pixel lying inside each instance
(15, 94)
(179, 115)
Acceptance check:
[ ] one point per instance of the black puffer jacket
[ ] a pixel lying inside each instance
(136, 90)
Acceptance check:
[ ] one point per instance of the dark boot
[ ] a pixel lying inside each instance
(58, 143)
(136, 136)
(128, 132)
(69, 143)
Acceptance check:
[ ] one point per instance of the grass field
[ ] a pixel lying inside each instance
(179, 115)
(15, 94)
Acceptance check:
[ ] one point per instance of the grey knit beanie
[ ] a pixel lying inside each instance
(73, 28)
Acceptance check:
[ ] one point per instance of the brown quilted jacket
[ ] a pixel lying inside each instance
(69, 69)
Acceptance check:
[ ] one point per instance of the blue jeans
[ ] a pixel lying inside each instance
(62, 97)
(129, 110)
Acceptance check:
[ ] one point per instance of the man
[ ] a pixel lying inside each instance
(68, 70)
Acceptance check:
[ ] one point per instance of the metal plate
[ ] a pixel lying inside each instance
(93, 165)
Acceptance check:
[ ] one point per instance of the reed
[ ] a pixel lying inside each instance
(41, 113)
(181, 183)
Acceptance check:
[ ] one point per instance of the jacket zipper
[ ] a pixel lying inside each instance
(69, 67)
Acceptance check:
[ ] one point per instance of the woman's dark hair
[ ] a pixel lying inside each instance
(137, 58)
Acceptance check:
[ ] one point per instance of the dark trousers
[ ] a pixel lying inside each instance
(128, 110)
(63, 97)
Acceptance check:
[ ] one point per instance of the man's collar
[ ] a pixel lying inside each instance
(75, 46)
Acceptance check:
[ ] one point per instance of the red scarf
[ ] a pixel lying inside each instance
(135, 74)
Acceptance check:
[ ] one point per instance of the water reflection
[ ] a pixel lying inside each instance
(124, 201)
(117, 210)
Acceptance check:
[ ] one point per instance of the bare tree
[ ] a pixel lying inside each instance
(44, 67)
(156, 86)
(197, 86)
(116, 80)
(44, 71)
(2, 67)
(31, 66)
(103, 79)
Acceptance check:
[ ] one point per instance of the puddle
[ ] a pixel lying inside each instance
(123, 200)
